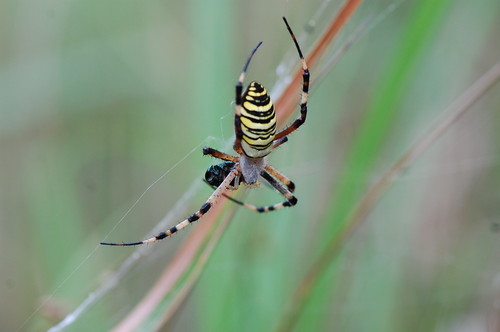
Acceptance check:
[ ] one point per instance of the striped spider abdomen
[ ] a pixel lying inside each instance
(258, 121)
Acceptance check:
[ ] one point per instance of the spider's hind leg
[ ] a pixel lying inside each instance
(238, 100)
(306, 76)
(218, 154)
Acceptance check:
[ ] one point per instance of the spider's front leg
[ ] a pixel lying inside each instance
(224, 185)
(291, 200)
(282, 177)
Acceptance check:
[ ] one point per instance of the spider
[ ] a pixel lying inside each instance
(256, 137)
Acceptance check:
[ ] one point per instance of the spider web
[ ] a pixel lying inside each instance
(111, 282)
(283, 71)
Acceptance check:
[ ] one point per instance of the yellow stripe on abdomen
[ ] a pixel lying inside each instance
(258, 121)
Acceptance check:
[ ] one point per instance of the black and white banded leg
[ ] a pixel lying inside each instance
(291, 200)
(225, 185)
(305, 91)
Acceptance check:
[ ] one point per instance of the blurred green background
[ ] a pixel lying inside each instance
(98, 99)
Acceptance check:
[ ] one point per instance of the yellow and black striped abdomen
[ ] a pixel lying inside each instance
(258, 121)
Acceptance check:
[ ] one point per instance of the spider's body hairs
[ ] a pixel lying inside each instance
(256, 137)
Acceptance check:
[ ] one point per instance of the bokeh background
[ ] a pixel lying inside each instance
(99, 99)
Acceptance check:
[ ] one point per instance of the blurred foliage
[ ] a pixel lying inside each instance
(99, 99)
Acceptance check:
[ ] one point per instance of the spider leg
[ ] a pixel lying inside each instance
(237, 110)
(274, 172)
(226, 195)
(280, 176)
(195, 216)
(305, 91)
(278, 142)
(291, 200)
(220, 155)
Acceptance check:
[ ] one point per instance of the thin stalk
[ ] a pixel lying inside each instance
(356, 218)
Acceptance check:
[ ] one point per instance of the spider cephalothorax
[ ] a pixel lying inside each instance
(255, 138)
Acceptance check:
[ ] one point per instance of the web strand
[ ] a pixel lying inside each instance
(110, 283)
(124, 268)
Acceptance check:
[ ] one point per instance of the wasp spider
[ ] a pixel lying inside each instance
(256, 137)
